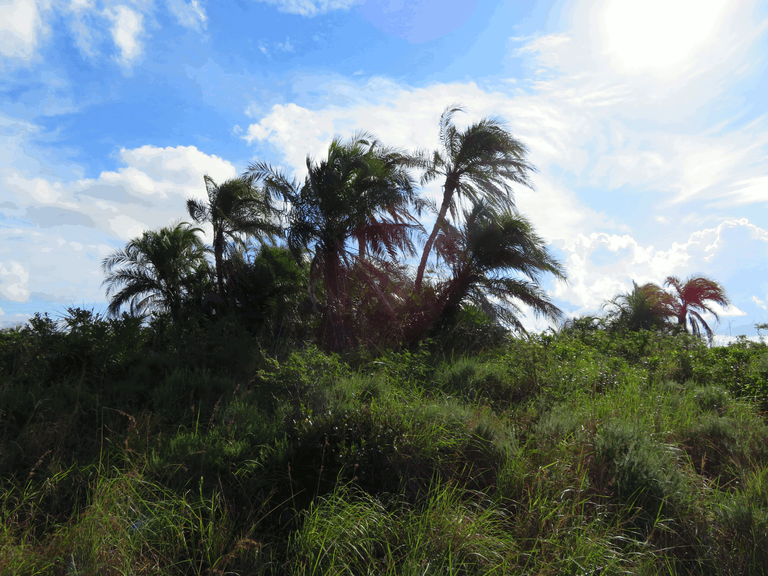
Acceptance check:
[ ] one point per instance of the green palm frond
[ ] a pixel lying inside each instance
(478, 164)
(153, 271)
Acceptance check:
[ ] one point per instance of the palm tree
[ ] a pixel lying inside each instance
(477, 163)
(646, 307)
(234, 209)
(487, 258)
(691, 299)
(156, 270)
(358, 197)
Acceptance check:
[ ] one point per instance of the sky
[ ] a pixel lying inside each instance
(647, 121)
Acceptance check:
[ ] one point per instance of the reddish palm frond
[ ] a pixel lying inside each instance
(693, 297)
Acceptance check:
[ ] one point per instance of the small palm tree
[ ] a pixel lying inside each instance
(478, 163)
(156, 270)
(691, 298)
(497, 261)
(234, 209)
(646, 307)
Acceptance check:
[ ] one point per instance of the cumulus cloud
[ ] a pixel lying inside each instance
(13, 281)
(62, 230)
(310, 7)
(20, 28)
(10, 321)
(602, 265)
(149, 191)
(730, 311)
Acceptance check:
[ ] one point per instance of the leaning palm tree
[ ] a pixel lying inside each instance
(351, 212)
(479, 163)
(234, 209)
(497, 262)
(156, 270)
(691, 298)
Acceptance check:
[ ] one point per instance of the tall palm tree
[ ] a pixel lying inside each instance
(691, 298)
(478, 163)
(155, 270)
(351, 211)
(497, 261)
(235, 208)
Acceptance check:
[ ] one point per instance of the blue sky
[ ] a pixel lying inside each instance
(648, 122)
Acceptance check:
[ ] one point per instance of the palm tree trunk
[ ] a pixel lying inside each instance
(447, 195)
(218, 253)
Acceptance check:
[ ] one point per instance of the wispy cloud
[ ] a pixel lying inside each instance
(127, 26)
(189, 14)
(310, 7)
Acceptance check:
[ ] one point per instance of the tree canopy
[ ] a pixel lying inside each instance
(353, 230)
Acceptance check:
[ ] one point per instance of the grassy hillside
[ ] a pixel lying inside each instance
(193, 449)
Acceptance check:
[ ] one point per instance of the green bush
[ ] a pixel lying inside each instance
(641, 472)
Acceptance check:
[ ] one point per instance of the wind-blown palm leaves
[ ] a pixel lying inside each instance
(651, 307)
(691, 298)
(355, 216)
(155, 271)
(479, 163)
(646, 307)
(497, 261)
(234, 209)
(352, 211)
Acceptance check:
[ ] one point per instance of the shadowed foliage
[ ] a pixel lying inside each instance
(351, 212)
(235, 209)
(155, 271)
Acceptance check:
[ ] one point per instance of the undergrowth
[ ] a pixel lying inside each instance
(125, 449)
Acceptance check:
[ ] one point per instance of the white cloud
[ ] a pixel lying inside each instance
(725, 340)
(759, 302)
(596, 276)
(285, 46)
(189, 14)
(10, 321)
(127, 25)
(20, 28)
(13, 281)
(408, 118)
(22, 25)
(662, 45)
(310, 7)
(64, 229)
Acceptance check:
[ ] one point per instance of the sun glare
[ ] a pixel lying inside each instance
(659, 37)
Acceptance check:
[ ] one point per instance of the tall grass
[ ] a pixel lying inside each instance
(550, 455)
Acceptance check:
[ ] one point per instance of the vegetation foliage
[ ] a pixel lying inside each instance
(310, 407)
